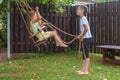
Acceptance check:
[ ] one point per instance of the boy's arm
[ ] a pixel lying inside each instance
(44, 23)
(41, 26)
(83, 33)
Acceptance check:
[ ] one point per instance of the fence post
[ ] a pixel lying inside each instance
(8, 32)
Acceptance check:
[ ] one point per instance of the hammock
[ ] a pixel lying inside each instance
(51, 26)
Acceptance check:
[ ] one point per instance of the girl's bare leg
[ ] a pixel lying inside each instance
(57, 39)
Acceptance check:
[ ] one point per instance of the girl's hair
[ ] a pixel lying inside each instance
(85, 8)
(31, 14)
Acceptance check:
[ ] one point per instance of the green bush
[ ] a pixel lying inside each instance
(3, 38)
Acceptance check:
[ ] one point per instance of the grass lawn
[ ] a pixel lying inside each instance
(56, 66)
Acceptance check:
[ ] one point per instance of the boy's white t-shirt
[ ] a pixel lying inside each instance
(84, 20)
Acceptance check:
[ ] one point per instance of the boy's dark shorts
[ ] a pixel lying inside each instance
(87, 42)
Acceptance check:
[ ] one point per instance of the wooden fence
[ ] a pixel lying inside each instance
(104, 19)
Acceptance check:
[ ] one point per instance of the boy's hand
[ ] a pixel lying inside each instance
(80, 37)
(37, 8)
(45, 23)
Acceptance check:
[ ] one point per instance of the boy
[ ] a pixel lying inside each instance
(85, 37)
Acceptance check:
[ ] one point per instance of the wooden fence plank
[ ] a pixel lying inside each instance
(16, 33)
(60, 26)
(95, 22)
(115, 26)
(22, 36)
(56, 24)
(64, 24)
(110, 24)
(73, 25)
(106, 23)
(118, 15)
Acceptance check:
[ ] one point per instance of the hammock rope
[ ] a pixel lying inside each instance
(52, 26)
(27, 6)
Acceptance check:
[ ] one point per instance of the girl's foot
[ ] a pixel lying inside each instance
(64, 45)
(57, 45)
(83, 72)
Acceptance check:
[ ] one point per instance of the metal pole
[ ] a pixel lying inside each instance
(8, 32)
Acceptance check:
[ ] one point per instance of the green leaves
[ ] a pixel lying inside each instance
(56, 4)
(3, 38)
(3, 10)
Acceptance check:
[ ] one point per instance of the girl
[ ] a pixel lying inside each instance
(37, 24)
(85, 36)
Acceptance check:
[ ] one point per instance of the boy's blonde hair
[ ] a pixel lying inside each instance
(85, 8)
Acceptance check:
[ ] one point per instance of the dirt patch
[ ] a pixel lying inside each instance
(12, 74)
(4, 58)
(3, 55)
